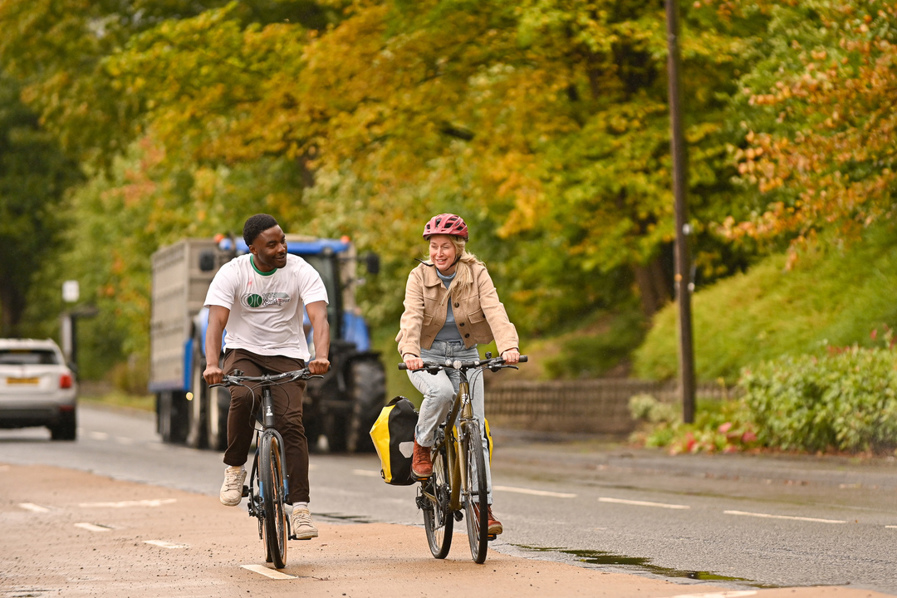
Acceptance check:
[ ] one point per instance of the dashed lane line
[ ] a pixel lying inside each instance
(273, 574)
(534, 492)
(158, 502)
(642, 503)
(789, 517)
(733, 594)
(30, 506)
(164, 544)
(92, 527)
(366, 473)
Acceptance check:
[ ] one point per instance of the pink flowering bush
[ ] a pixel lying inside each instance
(720, 426)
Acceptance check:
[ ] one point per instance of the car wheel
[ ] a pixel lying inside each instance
(65, 428)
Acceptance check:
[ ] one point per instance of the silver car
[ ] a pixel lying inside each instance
(37, 388)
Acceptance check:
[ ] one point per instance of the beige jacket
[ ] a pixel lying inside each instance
(479, 315)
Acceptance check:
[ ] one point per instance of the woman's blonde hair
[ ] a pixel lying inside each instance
(463, 272)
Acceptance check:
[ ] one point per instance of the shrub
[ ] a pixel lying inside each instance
(131, 377)
(844, 400)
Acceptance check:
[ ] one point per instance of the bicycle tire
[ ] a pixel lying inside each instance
(438, 520)
(477, 518)
(271, 478)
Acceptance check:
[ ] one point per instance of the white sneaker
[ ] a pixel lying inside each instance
(301, 525)
(232, 488)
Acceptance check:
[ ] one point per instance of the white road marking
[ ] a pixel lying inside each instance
(734, 594)
(28, 506)
(93, 528)
(768, 516)
(164, 544)
(158, 502)
(272, 573)
(534, 492)
(98, 435)
(124, 440)
(367, 473)
(643, 503)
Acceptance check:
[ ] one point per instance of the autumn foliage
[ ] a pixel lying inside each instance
(545, 122)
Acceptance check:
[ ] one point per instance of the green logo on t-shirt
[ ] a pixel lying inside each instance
(257, 300)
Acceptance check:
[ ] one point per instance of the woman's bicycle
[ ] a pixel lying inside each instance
(458, 482)
(268, 489)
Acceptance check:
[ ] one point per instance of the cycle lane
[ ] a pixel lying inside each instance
(72, 533)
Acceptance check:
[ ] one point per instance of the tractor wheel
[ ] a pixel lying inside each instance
(368, 393)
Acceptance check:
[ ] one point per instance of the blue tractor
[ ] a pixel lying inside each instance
(339, 409)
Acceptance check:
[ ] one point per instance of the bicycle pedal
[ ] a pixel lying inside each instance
(491, 537)
(458, 515)
(245, 490)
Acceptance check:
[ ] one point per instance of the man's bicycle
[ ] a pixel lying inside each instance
(458, 482)
(268, 489)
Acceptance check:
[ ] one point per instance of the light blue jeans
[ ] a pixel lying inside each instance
(439, 391)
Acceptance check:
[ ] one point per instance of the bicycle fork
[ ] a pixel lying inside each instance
(461, 412)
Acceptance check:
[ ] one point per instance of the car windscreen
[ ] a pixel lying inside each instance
(28, 357)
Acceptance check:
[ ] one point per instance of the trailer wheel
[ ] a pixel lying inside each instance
(169, 406)
(367, 389)
(196, 403)
(216, 418)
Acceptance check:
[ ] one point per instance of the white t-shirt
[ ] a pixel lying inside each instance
(266, 307)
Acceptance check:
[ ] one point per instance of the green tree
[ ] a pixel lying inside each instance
(34, 177)
(818, 121)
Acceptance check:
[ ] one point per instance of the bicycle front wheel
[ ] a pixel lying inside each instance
(438, 519)
(271, 478)
(475, 499)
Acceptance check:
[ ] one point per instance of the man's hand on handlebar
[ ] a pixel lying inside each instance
(319, 366)
(213, 374)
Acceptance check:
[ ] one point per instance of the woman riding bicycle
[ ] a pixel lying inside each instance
(451, 305)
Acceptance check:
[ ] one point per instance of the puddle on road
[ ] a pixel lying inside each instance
(342, 518)
(597, 557)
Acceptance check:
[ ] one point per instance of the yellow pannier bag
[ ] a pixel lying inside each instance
(393, 436)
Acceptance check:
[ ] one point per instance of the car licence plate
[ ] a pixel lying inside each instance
(22, 381)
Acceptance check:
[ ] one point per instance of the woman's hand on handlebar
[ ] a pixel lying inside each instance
(412, 362)
(511, 356)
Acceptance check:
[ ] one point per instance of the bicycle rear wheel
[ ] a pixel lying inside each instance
(438, 519)
(477, 513)
(271, 478)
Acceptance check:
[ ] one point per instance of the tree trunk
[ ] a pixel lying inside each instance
(653, 286)
(12, 306)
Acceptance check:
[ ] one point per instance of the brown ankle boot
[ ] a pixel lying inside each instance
(494, 524)
(421, 463)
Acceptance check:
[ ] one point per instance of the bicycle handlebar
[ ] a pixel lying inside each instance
(492, 363)
(237, 378)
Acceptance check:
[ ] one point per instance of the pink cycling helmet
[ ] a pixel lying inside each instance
(446, 224)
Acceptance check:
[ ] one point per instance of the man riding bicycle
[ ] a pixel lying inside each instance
(259, 298)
